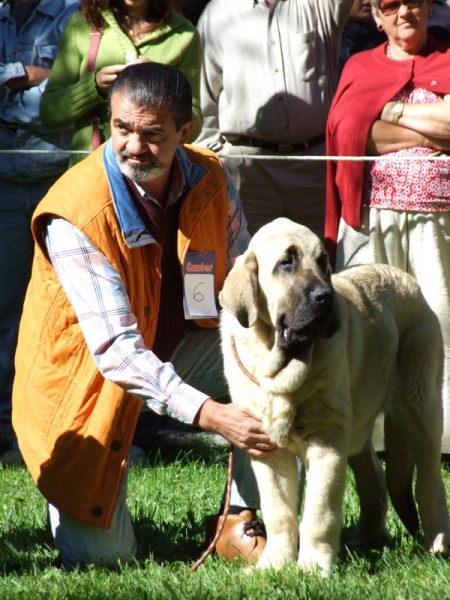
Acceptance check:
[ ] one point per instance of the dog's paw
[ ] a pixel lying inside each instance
(271, 563)
(276, 556)
(363, 541)
(311, 566)
(441, 545)
(311, 561)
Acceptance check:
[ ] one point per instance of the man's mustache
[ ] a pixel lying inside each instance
(124, 154)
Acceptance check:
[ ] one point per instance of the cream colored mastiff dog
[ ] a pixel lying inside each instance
(316, 358)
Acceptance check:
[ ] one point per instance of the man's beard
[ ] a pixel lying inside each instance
(139, 172)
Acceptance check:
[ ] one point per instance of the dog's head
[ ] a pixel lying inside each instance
(284, 280)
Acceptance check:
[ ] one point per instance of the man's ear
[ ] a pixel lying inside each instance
(185, 131)
(239, 295)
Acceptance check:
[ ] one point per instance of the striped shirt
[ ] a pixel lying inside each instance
(269, 72)
(100, 300)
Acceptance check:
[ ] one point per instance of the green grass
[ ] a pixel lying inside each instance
(168, 500)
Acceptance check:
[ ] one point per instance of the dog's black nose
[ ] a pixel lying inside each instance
(322, 294)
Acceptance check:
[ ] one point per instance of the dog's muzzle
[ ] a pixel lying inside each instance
(309, 319)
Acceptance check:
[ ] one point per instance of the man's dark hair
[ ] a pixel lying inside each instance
(155, 85)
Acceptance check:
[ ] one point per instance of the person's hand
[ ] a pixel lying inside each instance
(442, 144)
(106, 76)
(237, 426)
(34, 76)
(386, 113)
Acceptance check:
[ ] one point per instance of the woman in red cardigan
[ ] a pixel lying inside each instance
(391, 102)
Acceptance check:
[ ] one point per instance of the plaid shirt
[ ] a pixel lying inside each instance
(100, 300)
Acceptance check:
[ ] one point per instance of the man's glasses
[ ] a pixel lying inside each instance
(391, 6)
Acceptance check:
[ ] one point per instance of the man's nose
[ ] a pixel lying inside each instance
(135, 144)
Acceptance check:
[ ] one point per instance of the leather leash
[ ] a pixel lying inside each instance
(224, 515)
(222, 518)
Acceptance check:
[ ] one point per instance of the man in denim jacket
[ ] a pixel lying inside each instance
(29, 36)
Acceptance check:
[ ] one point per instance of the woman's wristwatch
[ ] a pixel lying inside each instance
(397, 111)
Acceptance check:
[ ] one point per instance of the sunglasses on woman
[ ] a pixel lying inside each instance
(390, 7)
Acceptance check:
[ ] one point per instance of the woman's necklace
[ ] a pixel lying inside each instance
(138, 28)
(389, 52)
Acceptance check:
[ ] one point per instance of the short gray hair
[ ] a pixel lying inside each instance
(152, 84)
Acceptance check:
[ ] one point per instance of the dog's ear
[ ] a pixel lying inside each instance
(334, 324)
(239, 295)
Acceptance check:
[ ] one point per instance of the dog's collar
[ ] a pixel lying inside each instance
(240, 364)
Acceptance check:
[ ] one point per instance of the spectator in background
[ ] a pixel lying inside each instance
(30, 31)
(136, 30)
(269, 76)
(360, 32)
(439, 21)
(393, 101)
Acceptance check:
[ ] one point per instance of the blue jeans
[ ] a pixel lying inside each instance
(17, 204)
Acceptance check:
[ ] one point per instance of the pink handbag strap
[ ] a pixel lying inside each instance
(96, 35)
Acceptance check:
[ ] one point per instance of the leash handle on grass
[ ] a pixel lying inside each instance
(222, 518)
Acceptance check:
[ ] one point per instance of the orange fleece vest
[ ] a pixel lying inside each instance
(74, 427)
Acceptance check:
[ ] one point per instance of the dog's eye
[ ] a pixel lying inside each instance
(287, 262)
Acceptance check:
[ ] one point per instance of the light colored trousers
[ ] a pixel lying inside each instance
(198, 360)
(418, 243)
(269, 189)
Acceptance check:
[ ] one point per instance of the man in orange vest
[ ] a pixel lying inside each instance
(132, 248)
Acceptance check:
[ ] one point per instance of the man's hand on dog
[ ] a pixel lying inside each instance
(237, 426)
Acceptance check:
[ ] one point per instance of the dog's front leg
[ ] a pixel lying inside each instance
(370, 482)
(277, 477)
(321, 523)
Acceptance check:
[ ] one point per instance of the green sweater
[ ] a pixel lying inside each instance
(71, 93)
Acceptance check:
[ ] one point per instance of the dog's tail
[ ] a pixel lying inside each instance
(399, 474)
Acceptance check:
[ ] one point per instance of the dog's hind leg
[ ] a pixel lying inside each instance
(418, 413)
(370, 531)
(277, 477)
(430, 492)
(424, 433)
(431, 499)
(399, 474)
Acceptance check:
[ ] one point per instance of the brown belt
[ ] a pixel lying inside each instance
(243, 140)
